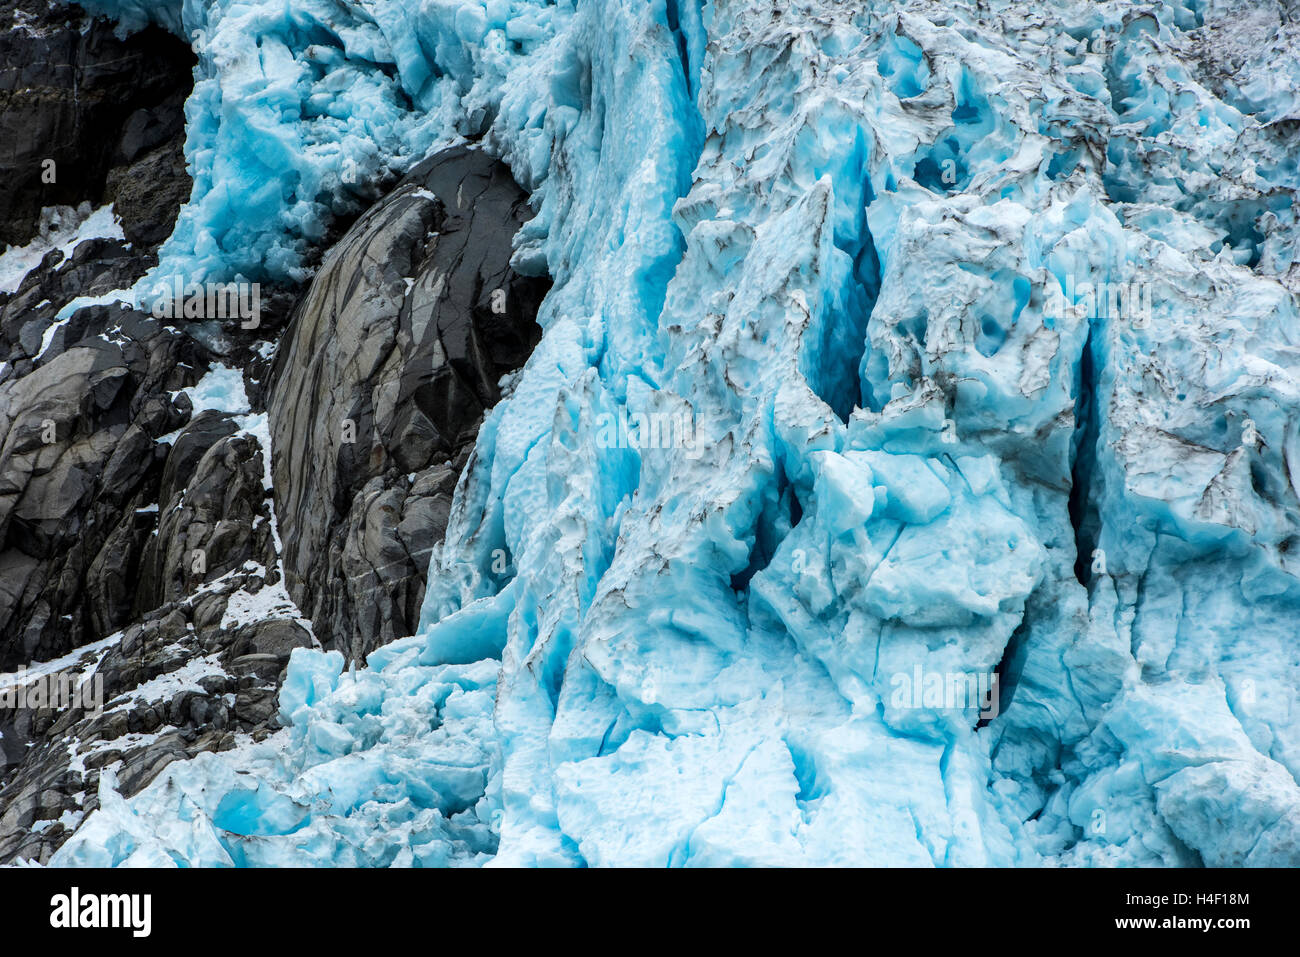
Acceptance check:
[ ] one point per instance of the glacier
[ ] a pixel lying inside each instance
(985, 317)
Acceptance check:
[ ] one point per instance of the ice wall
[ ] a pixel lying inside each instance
(302, 110)
(984, 321)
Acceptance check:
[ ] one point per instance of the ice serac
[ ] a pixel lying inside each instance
(983, 318)
(303, 111)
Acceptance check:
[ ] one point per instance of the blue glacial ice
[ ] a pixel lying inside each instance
(986, 319)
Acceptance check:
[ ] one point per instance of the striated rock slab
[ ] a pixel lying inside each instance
(394, 354)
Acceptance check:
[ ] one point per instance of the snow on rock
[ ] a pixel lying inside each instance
(83, 661)
(984, 321)
(63, 228)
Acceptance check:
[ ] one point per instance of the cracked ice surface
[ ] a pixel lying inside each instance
(839, 234)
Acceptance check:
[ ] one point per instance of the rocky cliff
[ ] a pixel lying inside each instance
(139, 548)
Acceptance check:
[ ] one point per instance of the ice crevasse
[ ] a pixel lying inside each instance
(985, 317)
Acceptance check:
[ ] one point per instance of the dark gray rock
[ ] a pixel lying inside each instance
(80, 468)
(96, 267)
(72, 92)
(203, 432)
(107, 495)
(213, 525)
(147, 192)
(393, 355)
(276, 638)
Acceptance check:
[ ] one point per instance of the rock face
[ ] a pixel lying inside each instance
(394, 354)
(88, 405)
(84, 398)
(74, 94)
(123, 530)
(145, 534)
(80, 461)
(122, 524)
